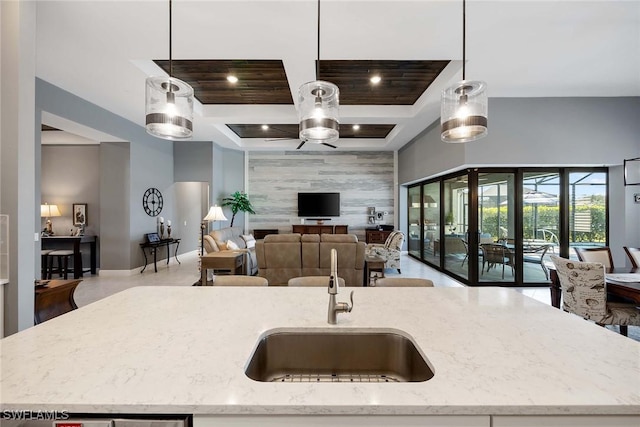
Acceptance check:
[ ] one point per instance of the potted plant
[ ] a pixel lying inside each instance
(239, 202)
(448, 220)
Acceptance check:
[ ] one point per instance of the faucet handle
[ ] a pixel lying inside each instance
(350, 307)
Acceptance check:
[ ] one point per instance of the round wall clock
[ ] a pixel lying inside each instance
(152, 202)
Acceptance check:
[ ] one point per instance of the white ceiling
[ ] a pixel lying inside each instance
(102, 51)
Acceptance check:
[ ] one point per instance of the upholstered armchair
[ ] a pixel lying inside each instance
(584, 293)
(389, 251)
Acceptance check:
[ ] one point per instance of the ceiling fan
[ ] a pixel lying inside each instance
(292, 138)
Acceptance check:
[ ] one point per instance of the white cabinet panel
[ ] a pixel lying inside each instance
(341, 420)
(567, 421)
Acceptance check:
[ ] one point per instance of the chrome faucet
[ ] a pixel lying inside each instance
(334, 306)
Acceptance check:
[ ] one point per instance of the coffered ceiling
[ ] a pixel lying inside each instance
(102, 51)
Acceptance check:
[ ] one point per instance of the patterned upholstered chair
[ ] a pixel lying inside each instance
(584, 292)
(601, 255)
(389, 251)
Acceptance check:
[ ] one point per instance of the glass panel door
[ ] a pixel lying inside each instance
(587, 210)
(431, 220)
(540, 223)
(415, 233)
(496, 223)
(456, 208)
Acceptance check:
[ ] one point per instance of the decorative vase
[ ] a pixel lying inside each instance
(162, 230)
(168, 231)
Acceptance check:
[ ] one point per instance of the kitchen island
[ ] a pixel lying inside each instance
(499, 358)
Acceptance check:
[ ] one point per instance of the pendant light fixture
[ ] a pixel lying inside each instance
(318, 105)
(464, 106)
(169, 103)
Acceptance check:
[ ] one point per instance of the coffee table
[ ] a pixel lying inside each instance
(230, 261)
(372, 264)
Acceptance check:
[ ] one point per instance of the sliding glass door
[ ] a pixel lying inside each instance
(500, 226)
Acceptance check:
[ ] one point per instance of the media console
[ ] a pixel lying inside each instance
(320, 229)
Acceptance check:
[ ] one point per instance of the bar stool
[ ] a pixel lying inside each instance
(62, 257)
(44, 262)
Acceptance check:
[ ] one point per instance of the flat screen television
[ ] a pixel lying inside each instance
(318, 205)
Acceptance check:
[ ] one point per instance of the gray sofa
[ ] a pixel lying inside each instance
(285, 256)
(217, 240)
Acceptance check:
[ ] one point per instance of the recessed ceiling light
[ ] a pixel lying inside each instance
(356, 127)
(232, 79)
(375, 79)
(265, 127)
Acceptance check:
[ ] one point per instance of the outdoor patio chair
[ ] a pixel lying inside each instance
(535, 255)
(494, 254)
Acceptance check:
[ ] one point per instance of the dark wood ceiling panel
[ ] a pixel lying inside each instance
(259, 81)
(403, 82)
(47, 127)
(291, 131)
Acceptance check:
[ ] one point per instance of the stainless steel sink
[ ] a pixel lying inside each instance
(342, 355)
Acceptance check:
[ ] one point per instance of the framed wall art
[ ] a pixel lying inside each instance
(80, 214)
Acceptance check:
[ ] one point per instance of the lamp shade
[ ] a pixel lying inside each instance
(318, 111)
(47, 211)
(169, 108)
(215, 214)
(464, 111)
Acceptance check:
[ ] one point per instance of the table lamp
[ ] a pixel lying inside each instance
(215, 214)
(47, 211)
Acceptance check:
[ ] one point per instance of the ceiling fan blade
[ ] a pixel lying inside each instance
(328, 145)
(280, 139)
(301, 144)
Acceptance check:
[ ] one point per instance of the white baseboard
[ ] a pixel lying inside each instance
(162, 264)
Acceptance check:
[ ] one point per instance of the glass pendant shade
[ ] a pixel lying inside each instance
(169, 108)
(464, 112)
(318, 112)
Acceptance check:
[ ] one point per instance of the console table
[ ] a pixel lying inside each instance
(153, 246)
(59, 242)
(376, 236)
(53, 298)
(320, 229)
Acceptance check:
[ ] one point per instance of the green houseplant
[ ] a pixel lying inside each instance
(449, 218)
(239, 202)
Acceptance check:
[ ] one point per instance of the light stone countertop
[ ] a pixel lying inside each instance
(184, 349)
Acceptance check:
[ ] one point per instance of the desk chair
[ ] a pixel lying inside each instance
(584, 292)
(634, 256)
(600, 254)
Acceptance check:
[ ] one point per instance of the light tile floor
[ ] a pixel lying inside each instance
(94, 288)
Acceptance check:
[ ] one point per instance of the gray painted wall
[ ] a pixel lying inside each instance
(114, 205)
(544, 132)
(363, 179)
(19, 160)
(533, 132)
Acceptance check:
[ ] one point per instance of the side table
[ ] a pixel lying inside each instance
(53, 298)
(231, 261)
(372, 264)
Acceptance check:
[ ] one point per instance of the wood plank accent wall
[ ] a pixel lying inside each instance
(363, 178)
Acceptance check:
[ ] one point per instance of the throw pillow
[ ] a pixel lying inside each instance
(231, 245)
(249, 240)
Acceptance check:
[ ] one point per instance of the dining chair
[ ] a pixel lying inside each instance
(600, 254)
(634, 256)
(495, 253)
(396, 282)
(584, 293)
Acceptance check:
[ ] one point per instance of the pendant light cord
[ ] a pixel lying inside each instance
(464, 36)
(170, 59)
(318, 61)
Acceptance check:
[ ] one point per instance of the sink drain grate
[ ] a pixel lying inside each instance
(335, 378)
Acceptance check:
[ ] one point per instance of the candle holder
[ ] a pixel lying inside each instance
(168, 231)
